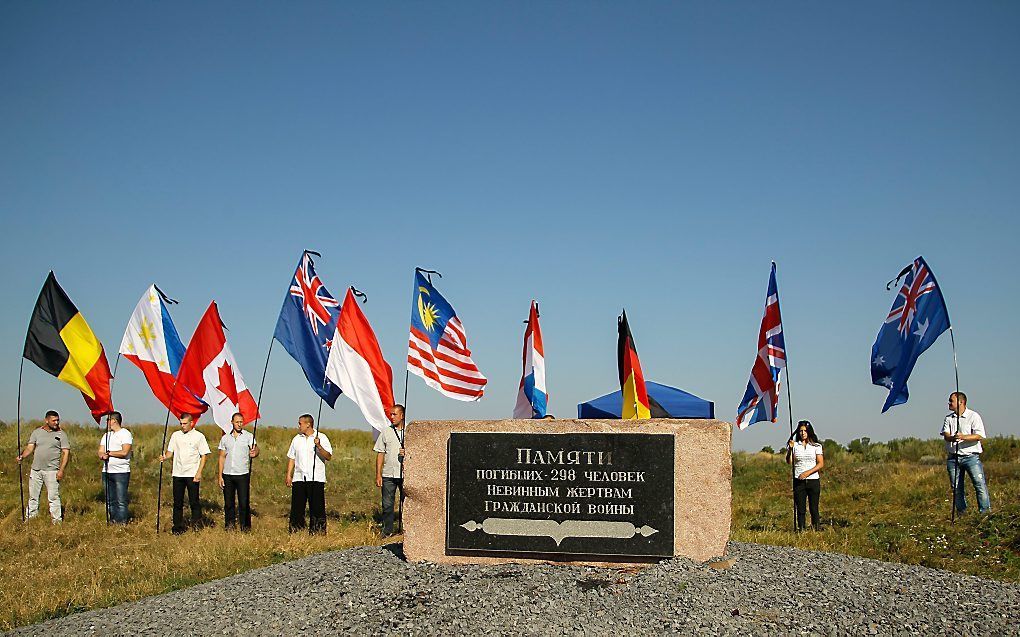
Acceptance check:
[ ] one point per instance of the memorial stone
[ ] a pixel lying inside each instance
(592, 491)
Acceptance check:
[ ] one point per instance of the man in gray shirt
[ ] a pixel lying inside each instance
(237, 449)
(389, 465)
(52, 451)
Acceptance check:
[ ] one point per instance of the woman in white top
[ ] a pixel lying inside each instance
(806, 454)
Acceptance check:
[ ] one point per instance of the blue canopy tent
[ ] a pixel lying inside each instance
(676, 402)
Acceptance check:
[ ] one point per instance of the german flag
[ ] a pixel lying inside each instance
(61, 343)
(636, 401)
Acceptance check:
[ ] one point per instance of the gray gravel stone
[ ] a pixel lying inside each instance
(372, 591)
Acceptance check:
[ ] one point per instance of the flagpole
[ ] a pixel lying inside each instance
(958, 482)
(162, 449)
(258, 405)
(21, 480)
(789, 397)
(106, 463)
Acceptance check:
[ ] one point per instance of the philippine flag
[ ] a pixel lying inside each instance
(209, 371)
(532, 397)
(356, 365)
(151, 342)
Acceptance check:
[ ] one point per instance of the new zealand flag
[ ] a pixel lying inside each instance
(306, 326)
(917, 318)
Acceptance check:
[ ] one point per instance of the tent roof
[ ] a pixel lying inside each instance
(676, 402)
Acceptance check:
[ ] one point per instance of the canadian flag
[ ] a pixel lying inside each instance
(356, 365)
(210, 373)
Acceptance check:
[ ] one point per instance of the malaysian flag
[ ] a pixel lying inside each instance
(437, 347)
(761, 400)
(917, 318)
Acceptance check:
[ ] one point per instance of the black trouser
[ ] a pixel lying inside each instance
(389, 492)
(314, 494)
(806, 490)
(241, 487)
(180, 484)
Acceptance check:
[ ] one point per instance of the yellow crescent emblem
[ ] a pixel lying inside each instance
(426, 311)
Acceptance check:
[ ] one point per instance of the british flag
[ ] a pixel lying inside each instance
(918, 316)
(761, 399)
(306, 326)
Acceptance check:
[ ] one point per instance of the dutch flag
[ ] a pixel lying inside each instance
(532, 397)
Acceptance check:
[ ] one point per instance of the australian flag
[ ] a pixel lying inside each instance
(306, 326)
(917, 318)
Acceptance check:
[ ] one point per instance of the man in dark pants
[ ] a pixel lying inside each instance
(237, 448)
(389, 475)
(306, 475)
(188, 448)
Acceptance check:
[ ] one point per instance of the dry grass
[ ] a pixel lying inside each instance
(888, 510)
(48, 571)
(893, 511)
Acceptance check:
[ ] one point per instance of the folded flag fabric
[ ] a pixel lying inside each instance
(532, 397)
(152, 343)
(209, 372)
(356, 365)
(917, 318)
(636, 401)
(761, 398)
(437, 346)
(62, 344)
(306, 326)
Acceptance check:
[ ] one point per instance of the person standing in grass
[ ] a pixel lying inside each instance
(963, 431)
(306, 476)
(237, 448)
(188, 448)
(805, 452)
(52, 453)
(115, 452)
(389, 474)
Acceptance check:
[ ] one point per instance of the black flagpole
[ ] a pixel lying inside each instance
(162, 450)
(21, 479)
(958, 481)
(258, 405)
(789, 403)
(106, 445)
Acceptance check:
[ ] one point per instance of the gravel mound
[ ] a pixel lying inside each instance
(371, 590)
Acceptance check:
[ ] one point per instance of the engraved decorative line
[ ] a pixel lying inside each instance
(558, 531)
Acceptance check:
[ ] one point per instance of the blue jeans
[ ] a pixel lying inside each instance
(115, 485)
(389, 496)
(970, 465)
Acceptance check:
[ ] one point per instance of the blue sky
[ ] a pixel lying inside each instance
(594, 156)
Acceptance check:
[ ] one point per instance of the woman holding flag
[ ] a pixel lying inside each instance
(805, 452)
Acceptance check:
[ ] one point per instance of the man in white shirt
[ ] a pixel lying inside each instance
(115, 452)
(188, 448)
(237, 448)
(963, 431)
(389, 468)
(306, 475)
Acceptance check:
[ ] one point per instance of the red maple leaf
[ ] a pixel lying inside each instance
(227, 385)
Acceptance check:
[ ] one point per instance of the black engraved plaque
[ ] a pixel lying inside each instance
(603, 496)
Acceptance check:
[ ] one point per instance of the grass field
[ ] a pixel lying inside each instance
(889, 502)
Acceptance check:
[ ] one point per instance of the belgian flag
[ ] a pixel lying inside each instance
(61, 343)
(636, 401)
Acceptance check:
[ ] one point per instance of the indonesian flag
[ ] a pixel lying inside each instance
(356, 365)
(210, 372)
(151, 342)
